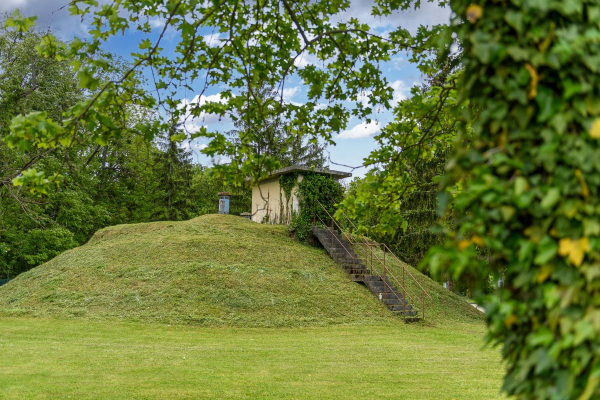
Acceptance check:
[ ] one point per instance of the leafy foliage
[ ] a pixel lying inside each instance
(315, 188)
(410, 152)
(417, 207)
(129, 180)
(272, 142)
(261, 51)
(530, 184)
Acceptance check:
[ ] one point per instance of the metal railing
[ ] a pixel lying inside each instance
(376, 264)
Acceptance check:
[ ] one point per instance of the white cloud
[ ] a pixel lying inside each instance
(289, 93)
(194, 145)
(397, 62)
(430, 13)
(156, 23)
(364, 98)
(50, 15)
(193, 124)
(8, 5)
(305, 58)
(401, 92)
(212, 39)
(361, 130)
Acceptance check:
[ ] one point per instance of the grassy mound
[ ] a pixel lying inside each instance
(214, 270)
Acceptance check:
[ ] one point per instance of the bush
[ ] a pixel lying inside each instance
(41, 245)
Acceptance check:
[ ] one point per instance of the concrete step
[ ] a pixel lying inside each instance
(383, 286)
(388, 284)
(401, 313)
(326, 232)
(341, 249)
(407, 308)
(386, 295)
(356, 261)
(343, 256)
(395, 302)
(343, 252)
(353, 264)
(345, 260)
(327, 239)
(356, 270)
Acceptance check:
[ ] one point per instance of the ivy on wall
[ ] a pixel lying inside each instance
(287, 182)
(313, 187)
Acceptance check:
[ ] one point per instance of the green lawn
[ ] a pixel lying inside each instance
(56, 358)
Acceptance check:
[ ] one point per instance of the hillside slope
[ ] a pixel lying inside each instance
(216, 270)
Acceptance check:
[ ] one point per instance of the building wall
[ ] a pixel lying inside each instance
(269, 203)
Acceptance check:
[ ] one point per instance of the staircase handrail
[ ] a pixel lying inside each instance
(368, 245)
(386, 273)
(402, 264)
(351, 242)
(336, 238)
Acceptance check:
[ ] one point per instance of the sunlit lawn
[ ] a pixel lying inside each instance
(51, 358)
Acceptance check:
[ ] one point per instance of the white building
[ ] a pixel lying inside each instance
(269, 202)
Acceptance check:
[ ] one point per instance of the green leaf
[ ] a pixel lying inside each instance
(514, 19)
(547, 250)
(178, 137)
(551, 198)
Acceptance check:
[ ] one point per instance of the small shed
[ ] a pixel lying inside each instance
(269, 203)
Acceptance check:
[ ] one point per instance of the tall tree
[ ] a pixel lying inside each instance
(33, 229)
(261, 134)
(173, 169)
(528, 183)
(255, 52)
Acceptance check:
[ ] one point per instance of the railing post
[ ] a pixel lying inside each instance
(423, 301)
(403, 303)
(354, 269)
(403, 268)
(331, 231)
(384, 272)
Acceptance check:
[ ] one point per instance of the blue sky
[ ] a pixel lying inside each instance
(352, 145)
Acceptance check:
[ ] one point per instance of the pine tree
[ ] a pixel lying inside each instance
(174, 171)
(275, 139)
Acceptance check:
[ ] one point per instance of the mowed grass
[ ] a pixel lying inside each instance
(215, 270)
(46, 358)
(220, 307)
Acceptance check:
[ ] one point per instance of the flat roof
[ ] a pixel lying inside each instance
(306, 168)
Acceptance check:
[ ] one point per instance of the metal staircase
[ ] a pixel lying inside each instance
(372, 270)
